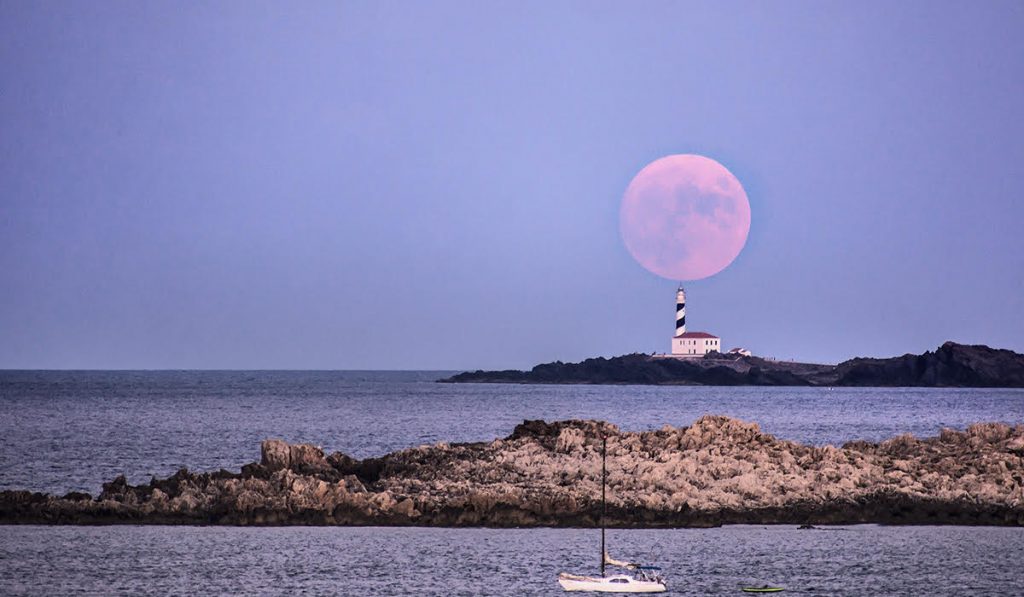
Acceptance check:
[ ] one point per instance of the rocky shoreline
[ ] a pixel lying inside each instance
(950, 365)
(716, 471)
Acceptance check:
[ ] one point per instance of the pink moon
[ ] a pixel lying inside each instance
(685, 217)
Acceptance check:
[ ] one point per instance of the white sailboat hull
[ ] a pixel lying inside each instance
(609, 584)
(644, 581)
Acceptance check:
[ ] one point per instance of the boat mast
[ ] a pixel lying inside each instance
(604, 474)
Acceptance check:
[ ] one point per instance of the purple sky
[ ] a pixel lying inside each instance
(437, 185)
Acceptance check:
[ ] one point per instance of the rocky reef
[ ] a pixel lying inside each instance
(950, 365)
(716, 471)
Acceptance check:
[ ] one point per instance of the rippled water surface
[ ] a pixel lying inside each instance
(859, 560)
(62, 431)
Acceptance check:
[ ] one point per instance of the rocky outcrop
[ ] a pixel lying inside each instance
(277, 455)
(716, 471)
(951, 365)
(713, 370)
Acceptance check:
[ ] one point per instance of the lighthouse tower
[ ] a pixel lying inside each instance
(680, 311)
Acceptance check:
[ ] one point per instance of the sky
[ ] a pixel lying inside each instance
(437, 185)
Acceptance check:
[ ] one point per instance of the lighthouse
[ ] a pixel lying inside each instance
(691, 344)
(680, 311)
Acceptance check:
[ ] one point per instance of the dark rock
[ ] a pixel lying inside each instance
(952, 365)
(254, 469)
(114, 488)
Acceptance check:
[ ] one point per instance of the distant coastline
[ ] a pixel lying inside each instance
(717, 471)
(950, 365)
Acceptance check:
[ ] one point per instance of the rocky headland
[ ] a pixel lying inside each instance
(950, 365)
(716, 471)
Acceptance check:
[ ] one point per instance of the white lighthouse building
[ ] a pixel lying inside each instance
(691, 344)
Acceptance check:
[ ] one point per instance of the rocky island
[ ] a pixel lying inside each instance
(716, 471)
(951, 365)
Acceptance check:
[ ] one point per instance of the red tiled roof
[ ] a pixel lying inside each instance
(696, 335)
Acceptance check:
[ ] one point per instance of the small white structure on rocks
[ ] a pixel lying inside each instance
(691, 344)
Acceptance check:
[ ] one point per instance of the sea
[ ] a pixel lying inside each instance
(66, 431)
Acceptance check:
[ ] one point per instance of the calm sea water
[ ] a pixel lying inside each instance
(860, 560)
(62, 431)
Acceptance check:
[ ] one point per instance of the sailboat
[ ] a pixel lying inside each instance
(638, 579)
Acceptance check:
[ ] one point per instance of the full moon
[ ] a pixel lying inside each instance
(684, 217)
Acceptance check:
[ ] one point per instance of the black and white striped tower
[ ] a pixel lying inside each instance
(680, 312)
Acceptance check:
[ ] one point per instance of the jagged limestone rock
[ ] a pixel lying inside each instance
(718, 470)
